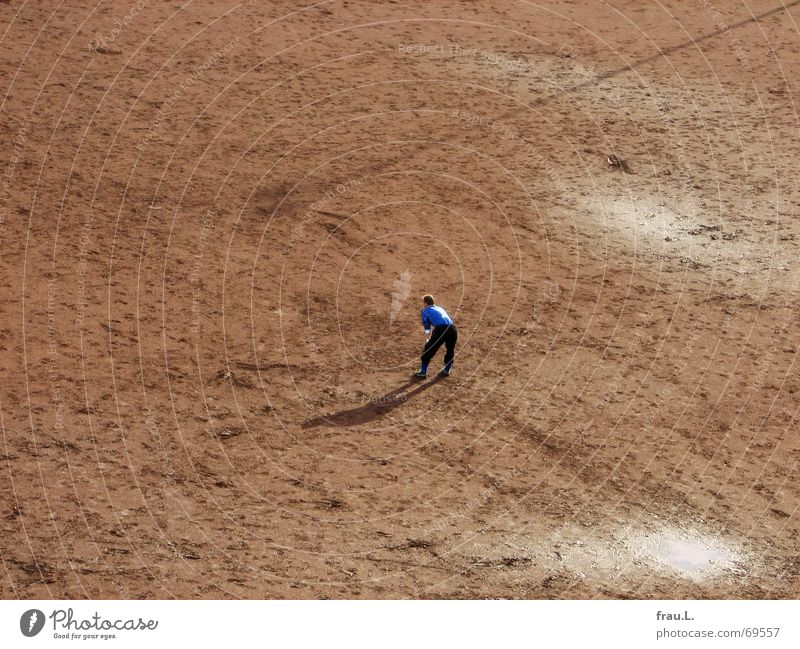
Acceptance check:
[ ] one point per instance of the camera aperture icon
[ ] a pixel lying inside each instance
(31, 622)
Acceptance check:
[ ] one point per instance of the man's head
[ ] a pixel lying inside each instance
(428, 300)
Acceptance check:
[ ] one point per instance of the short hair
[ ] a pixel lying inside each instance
(428, 299)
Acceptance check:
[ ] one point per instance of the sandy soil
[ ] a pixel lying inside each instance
(217, 219)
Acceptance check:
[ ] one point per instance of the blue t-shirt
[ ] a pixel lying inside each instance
(435, 316)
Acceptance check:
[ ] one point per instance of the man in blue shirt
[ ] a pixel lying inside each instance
(441, 331)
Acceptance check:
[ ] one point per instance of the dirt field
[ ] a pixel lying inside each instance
(217, 220)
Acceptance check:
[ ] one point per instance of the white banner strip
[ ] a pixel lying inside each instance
(389, 624)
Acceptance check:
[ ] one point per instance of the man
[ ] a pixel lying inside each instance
(440, 330)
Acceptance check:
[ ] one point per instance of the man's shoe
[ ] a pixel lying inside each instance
(421, 375)
(444, 373)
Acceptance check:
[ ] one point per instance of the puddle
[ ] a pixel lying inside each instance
(688, 552)
(694, 558)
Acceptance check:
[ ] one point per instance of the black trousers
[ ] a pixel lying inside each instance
(446, 335)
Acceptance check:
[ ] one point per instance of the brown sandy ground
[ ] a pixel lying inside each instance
(208, 206)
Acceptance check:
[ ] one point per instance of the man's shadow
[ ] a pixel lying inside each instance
(375, 408)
